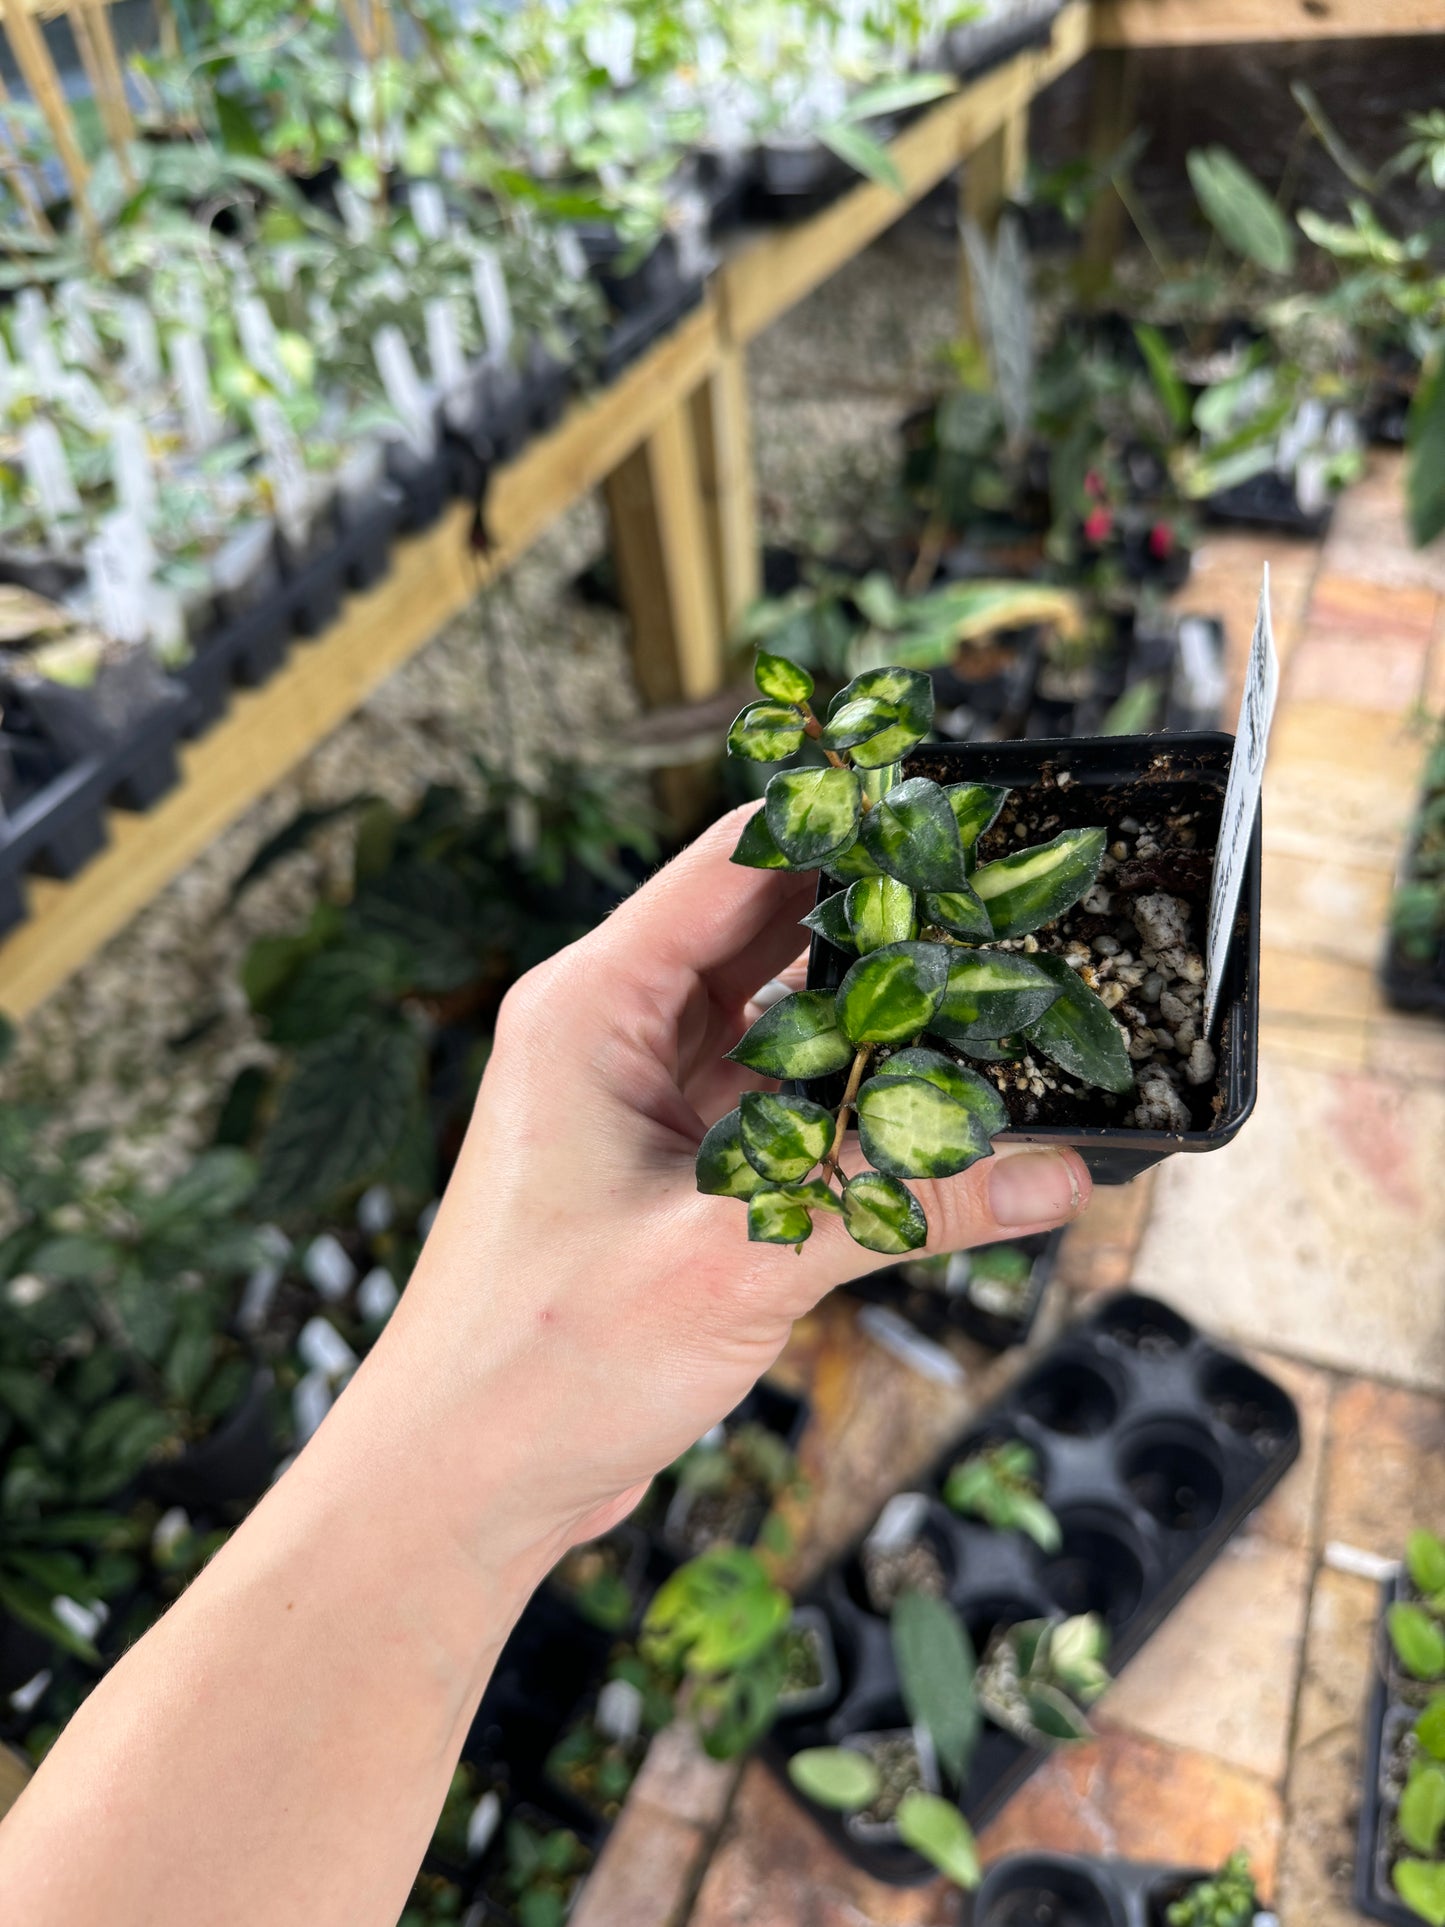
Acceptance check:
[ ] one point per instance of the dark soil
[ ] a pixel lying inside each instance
(896, 1757)
(715, 1517)
(893, 1570)
(802, 1662)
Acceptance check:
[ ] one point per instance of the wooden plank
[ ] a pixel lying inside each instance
(37, 69)
(993, 172)
(773, 272)
(268, 730)
(1198, 23)
(1114, 77)
(723, 435)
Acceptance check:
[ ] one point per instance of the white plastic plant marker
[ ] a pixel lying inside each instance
(1373, 1566)
(899, 1523)
(258, 341)
(619, 1711)
(47, 470)
(82, 343)
(1200, 665)
(329, 1268)
(429, 210)
(1241, 800)
(26, 1698)
(292, 494)
(570, 257)
(713, 1439)
(260, 1287)
(376, 1295)
(482, 1827)
(169, 1530)
(84, 1621)
(193, 380)
(375, 1210)
(444, 344)
(142, 366)
(908, 1345)
(131, 467)
(494, 304)
(403, 386)
(119, 562)
(310, 1402)
(35, 341)
(324, 1350)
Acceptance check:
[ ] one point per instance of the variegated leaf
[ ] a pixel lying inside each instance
(722, 1169)
(892, 993)
(783, 1137)
(879, 911)
(1079, 1034)
(798, 1037)
(776, 1219)
(991, 993)
(756, 850)
(959, 912)
(830, 919)
(911, 833)
(1029, 888)
(880, 716)
(912, 1127)
(975, 808)
(813, 813)
(883, 1215)
(765, 732)
(955, 1079)
(817, 1194)
(784, 681)
(851, 865)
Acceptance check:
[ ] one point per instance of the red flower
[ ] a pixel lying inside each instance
(1098, 525)
(1161, 541)
(1094, 483)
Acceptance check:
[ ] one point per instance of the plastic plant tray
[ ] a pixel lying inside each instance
(1387, 1710)
(1154, 1444)
(1075, 1890)
(937, 1311)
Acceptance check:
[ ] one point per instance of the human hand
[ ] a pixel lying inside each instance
(574, 1268)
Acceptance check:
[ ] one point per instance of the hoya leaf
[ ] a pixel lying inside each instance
(960, 912)
(756, 849)
(883, 1215)
(1421, 1814)
(960, 1084)
(1078, 1033)
(861, 152)
(891, 994)
(722, 1169)
(776, 1219)
(1031, 887)
(991, 993)
(817, 1194)
(830, 919)
(1418, 1640)
(765, 732)
(936, 1662)
(910, 1128)
(1239, 210)
(1425, 1562)
(783, 1137)
(798, 1037)
(975, 808)
(1053, 1715)
(813, 813)
(935, 1828)
(1421, 1885)
(880, 716)
(1430, 1728)
(784, 681)
(851, 865)
(879, 911)
(913, 835)
(835, 1776)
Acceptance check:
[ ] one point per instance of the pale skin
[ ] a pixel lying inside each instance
(278, 1747)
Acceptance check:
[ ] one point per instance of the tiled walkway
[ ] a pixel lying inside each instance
(1317, 1241)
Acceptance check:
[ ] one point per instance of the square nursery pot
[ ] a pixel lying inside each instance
(1395, 1703)
(491, 1907)
(953, 1300)
(1269, 500)
(232, 1465)
(1115, 780)
(767, 1405)
(1074, 1890)
(1153, 1446)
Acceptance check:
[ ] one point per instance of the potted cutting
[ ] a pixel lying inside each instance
(541, 1873)
(725, 1486)
(720, 1631)
(600, 1754)
(967, 981)
(1414, 966)
(1227, 1898)
(999, 1484)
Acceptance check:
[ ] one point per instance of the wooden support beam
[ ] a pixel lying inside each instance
(1199, 23)
(1114, 73)
(723, 434)
(992, 174)
(32, 57)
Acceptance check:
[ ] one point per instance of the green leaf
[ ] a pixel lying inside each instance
(1430, 1728)
(774, 1218)
(30, 1604)
(935, 1828)
(891, 994)
(1239, 210)
(218, 1183)
(765, 732)
(851, 865)
(878, 911)
(830, 920)
(1421, 1814)
(883, 1215)
(1053, 1715)
(1078, 1033)
(1425, 454)
(73, 1259)
(798, 1037)
(935, 1661)
(880, 716)
(992, 993)
(817, 1194)
(343, 1114)
(784, 681)
(813, 813)
(958, 911)
(911, 833)
(1418, 1640)
(756, 850)
(722, 1169)
(975, 808)
(860, 151)
(784, 1137)
(898, 92)
(1032, 887)
(917, 1127)
(835, 1776)
(1425, 1562)
(1421, 1885)
(1168, 385)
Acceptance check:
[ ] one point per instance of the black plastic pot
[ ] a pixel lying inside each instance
(1154, 1445)
(23, 1653)
(1413, 983)
(231, 1465)
(1387, 1716)
(634, 332)
(977, 46)
(1269, 501)
(1075, 1890)
(664, 1511)
(1154, 770)
(937, 1310)
(424, 481)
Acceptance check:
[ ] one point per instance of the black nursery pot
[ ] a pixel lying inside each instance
(1109, 778)
(232, 1464)
(937, 1311)
(1072, 1890)
(1385, 1716)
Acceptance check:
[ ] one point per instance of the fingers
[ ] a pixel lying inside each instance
(792, 977)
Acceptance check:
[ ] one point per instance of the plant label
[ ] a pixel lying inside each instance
(444, 345)
(84, 1621)
(118, 564)
(355, 212)
(82, 343)
(169, 1530)
(494, 305)
(611, 45)
(258, 341)
(131, 468)
(897, 1337)
(1241, 800)
(142, 350)
(328, 1267)
(310, 1402)
(48, 472)
(376, 1295)
(285, 464)
(1200, 666)
(403, 387)
(34, 340)
(900, 1521)
(84, 400)
(570, 257)
(193, 380)
(619, 1711)
(375, 1210)
(482, 1827)
(324, 1350)
(26, 1698)
(429, 210)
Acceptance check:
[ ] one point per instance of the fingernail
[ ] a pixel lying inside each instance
(1030, 1186)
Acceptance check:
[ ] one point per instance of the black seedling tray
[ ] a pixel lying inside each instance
(1414, 986)
(767, 1405)
(1077, 1890)
(633, 333)
(1268, 501)
(977, 47)
(1386, 1711)
(1114, 1153)
(1154, 1445)
(937, 1313)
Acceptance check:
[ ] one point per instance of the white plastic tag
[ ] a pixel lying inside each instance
(34, 340)
(48, 471)
(619, 1711)
(908, 1345)
(611, 45)
(84, 1621)
(286, 469)
(328, 1267)
(310, 1402)
(261, 1285)
(324, 1350)
(482, 1827)
(494, 304)
(1200, 667)
(80, 395)
(1374, 1566)
(258, 341)
(26, 1698)
(376, 1295)
(119, 561)
(130, 466)
(570, 258)
(375, 1210)
(82, 343)
(900, 1521)
(142, 345)
(403, 386)
(1241, 800)
(355, 213)
(193, 380)
(429, 210)
(444, 344)
(169, 1530)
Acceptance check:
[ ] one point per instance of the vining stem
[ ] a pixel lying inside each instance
(855, 1078)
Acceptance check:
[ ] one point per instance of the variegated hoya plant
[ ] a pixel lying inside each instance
(939, 972)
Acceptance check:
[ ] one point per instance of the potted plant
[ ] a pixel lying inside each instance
(604, 1578)
(543, 1867)
(999, 1484)
(991, 1295)
(719, 1626)
(725, 1486)
(470, 1818)
(1093, 1891)
(600, 1754)
(1228, 1898)
(966, 981)
(1414, 966)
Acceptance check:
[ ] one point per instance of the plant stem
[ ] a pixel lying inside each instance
(812, 727)
(855, 1078)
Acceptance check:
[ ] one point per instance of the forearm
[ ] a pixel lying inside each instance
(279, 1746)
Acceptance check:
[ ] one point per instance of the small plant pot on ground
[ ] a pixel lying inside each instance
(1270, 501)
(537, 1853)
(811, 1679)
(232, 1465)
(605, 1580)
(1413, 968)
(793, 179)
(1158, 672)
(702, 1513)
(1150, 1446)
(1074, 1890)
(1159, 799)
(1390, 1749)
(992, 1295)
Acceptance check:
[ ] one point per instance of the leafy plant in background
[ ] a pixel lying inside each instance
(1037, 1678)
(718, 1623)
(1417, 1626)
(542, 1872)
(924, 918)
(1227, 1899)
(1000, 1485)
